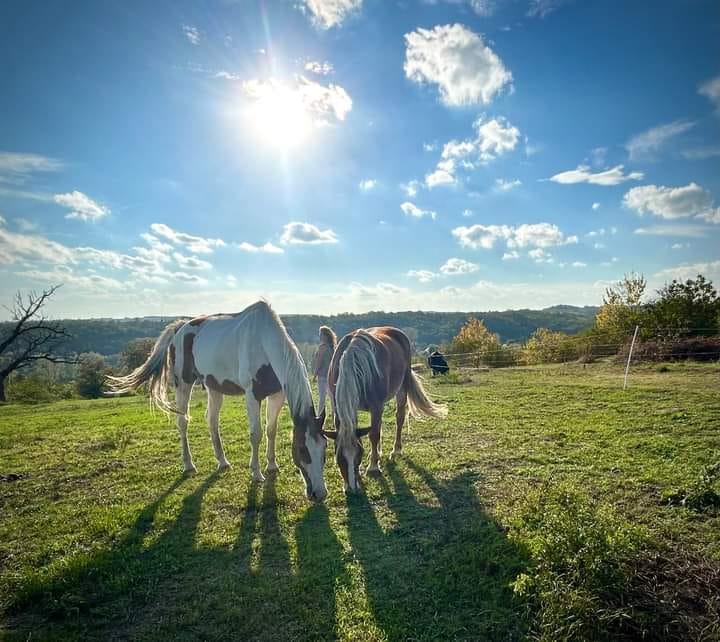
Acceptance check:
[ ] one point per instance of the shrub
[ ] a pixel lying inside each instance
(91, 375)
(695, 348)
(579, 551)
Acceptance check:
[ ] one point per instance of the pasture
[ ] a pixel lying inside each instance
(102, 538)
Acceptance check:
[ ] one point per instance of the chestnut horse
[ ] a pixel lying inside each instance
(367, 369)
(231, 354)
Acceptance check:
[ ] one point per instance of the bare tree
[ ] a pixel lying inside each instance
(30, 336)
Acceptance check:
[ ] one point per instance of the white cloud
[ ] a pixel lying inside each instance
(538, 235)
(701, 153)
(596, 206)
(644, 145)
(191, 33)
(484, 8)
(689, 230)
(467, 213)
(23, 224)
(429, 147)
(599, 246)
(541, 8)
(29, 247)
(63, 274)
(410, 188)
(709, 269)
(323, 104)
(374, 291)
(81, 206)
(711, 90)
(540, 256)
(423, 276)
(296, 233)
(17, 165)
(511, 255)
(268, 248)
(456, 266)
(413, 210)
(495, 137)
(673, 202)
(578, 264)
(195, 244)
(583, 174)
(320, 68)
(443, 175)
(367, 184)
(455, 58)
(330, 13)
(191, 262)
(503, 185)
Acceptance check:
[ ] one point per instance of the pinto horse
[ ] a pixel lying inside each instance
(232, 354)
(367, 369)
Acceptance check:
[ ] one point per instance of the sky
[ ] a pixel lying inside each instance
(177, 157)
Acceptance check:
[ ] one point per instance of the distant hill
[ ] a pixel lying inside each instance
(109, 336)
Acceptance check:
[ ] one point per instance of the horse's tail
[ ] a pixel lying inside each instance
(357, 370)
(154, 372)
(418, 401)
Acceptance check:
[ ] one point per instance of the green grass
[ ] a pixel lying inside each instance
(102, 538)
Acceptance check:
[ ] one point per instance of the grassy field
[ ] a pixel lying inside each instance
(102, 538)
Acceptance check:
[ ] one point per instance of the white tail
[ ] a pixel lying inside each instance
(153, 373)
(418, 401)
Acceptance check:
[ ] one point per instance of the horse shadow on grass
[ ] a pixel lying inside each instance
(443, 570)
(163, 584)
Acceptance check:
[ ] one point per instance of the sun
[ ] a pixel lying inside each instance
(279, 118)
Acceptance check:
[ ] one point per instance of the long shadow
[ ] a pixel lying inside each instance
(444, 569)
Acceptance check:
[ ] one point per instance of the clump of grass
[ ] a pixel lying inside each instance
(580, 550)
(702, 495)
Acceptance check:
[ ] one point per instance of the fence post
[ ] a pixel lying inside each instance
(632, 345)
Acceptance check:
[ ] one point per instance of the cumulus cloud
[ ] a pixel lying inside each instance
(323, 104)
(644, 145)
(63, 274)
(191, 33)
(456, 266)
(673, 202)
(196, 244)
(191, 262)
(583, 174)
(578, 264)
(540, 256)
(410, 188)
(296, 233)
(378, 290)
(537, 235)
(457, 60)
(503, 185)
(81, 206)
(423, 276)
(30, 247)
(367, 184)
(330, 13)
(710, 269)
(267, 248)
(493, 138)
(511, 255)
(711, 90)
(413, 210)
(596, 206)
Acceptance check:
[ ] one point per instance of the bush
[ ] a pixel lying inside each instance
(579, 551)
(546, 346)
(695, 348)
(91, 375)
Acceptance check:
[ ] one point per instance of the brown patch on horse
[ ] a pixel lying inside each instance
(265, 383)
(198, 320)
(189, 372)
(227, 387)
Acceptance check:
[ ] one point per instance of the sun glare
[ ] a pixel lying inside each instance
(279, 117)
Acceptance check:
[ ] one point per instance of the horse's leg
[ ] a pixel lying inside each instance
(274, 404)
(375, 431)
(400, 416)
(182, 401)
(253, 411)
(215, 401)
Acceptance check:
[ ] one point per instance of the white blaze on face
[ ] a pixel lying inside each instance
(316, 446)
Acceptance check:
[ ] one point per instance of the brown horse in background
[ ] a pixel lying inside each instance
(367, 369)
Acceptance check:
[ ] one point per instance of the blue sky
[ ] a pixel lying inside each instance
(348, 155)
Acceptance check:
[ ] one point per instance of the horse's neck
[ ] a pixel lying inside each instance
(289, 370)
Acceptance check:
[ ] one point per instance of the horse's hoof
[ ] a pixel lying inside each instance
(373, 471)
(271, 470)
(258, 477)
(223, 465)
(395, 454)
(189, 472)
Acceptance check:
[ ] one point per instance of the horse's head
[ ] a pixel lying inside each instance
(348, 455)
(308, 451)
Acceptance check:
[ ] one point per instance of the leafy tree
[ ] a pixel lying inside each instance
(622, 308)
(30, 337)
(690, 307)
(474, 337)
(91, 375)
(546, 346)
(136, 352)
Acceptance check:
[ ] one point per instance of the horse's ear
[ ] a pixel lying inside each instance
(321, 419)
(361, 432)
(330, 434)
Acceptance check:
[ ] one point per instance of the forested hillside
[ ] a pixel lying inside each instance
(109, 336)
